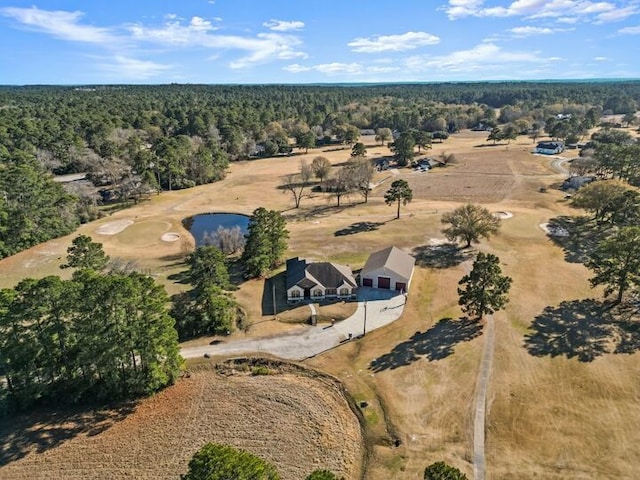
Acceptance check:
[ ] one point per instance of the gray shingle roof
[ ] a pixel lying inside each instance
(327, 274)
(391, 258)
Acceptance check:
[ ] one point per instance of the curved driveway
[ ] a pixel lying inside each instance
(381, 306)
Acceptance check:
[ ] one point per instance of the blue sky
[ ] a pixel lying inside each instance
(298, 41)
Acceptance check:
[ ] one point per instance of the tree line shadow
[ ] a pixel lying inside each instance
(577, 236)
(435, 344)
(446, 255)
(43, 430)
(584, 329)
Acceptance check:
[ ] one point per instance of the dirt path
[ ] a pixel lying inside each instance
(480, 404)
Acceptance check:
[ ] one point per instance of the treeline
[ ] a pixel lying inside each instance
(96, 337)
(67, 126)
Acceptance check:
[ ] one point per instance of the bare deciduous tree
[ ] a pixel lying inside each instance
(227, 240)
(297, 182)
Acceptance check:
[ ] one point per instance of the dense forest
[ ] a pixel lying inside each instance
(134, 140)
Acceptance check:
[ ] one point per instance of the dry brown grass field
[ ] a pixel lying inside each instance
(562, 396)
(299, 421)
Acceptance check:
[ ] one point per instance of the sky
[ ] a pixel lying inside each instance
(74, 42)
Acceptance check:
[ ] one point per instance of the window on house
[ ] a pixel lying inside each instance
(344, 291)
(294, 293)
(317, 293)
(330, 291)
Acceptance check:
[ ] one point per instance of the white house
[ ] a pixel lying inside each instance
(390, 269)
(549, 148)
(318, 281)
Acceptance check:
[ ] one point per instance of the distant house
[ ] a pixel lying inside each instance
(367, 131)
(390, 269)
(549, 148)
(575, 182)
(381, 164)
(318, 281)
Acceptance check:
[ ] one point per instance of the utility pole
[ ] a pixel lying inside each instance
(364, 329)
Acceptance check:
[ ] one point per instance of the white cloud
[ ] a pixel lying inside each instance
(262, 48)
(339, 68)
(296, 68)
(122, 67)
(283, 25)
(618, 14)
(393, 43)
(565, 11)
(530, 31)
(59, 24)
(630, 30)
(462, 8)
(477, 58)
(199, 24)
(600, 59)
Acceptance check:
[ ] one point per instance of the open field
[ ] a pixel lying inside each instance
(302, 412)
(562, 398)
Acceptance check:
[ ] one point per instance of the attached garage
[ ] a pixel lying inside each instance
(388, 269)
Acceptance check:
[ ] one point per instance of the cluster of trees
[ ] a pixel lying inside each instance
(614, 205)
(354, 178)
(223, 462)
(33, 208)
(99, 336)
(207, 309)
(615, 261)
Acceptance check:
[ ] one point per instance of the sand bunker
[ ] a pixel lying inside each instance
(554, 230)
(112, 228)
(438, 241)
(170, 237)
(503, 215)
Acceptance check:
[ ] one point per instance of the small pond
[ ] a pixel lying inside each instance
(207, 223)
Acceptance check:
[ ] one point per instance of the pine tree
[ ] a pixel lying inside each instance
(485, 288)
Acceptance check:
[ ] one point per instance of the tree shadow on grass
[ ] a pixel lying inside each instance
(358, 227)
(441, 256)
(577, 236)
(436, 343)
(584, 329)
(319, 211)
(43, 430)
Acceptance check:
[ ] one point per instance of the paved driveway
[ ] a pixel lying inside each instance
(380, 306)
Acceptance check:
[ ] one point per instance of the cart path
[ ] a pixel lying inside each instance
(480, 404)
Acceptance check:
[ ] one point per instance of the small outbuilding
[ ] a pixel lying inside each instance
(550, 148)
(389, 269)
